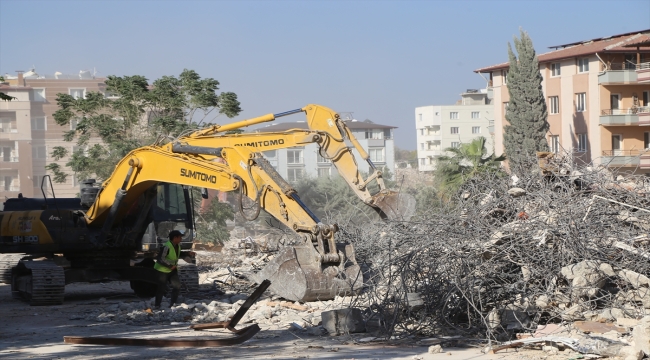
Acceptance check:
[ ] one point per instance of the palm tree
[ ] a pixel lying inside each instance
(463, 163)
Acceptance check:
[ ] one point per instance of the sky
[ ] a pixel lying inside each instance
(377, 59)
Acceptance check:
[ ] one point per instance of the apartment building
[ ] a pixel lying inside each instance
(444, 126)
(598, 99)
(297, 162)
(28, 132)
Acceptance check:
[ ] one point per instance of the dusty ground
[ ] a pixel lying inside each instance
(37, 333)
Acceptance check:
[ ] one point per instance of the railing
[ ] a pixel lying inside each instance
(10, 159)
(629, 111)
(626, 65)
(4, 130)
(643, 66)
(625, 152)
(12, 188)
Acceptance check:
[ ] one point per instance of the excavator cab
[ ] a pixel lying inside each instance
(172, 210)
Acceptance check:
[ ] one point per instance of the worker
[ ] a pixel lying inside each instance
(166, 264)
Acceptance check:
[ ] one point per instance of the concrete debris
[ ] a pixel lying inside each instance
(565, 244)
(343, 321)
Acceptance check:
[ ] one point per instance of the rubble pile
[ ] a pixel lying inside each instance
(511, 253)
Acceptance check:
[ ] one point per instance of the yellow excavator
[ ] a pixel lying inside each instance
(318, 268)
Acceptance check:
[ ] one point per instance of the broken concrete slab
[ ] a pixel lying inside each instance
(343, 321)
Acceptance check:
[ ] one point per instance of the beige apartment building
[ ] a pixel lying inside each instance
(598, 99)
(28, 132)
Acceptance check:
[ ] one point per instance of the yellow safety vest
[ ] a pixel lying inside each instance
(172, 257)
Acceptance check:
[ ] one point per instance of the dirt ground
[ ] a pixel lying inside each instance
(37, 333)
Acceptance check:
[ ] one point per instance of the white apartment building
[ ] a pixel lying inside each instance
(301, 161)
(443, 126)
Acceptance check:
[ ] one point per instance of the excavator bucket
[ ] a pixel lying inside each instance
(394, 205)
(297, 273)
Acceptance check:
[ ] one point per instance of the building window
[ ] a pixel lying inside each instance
(9, 183)
(454, 130)
(421, 131)
(476, 114)
(453, 115)
(505, 106)
(504, 75)
(646, 140)
(377, 134)
(554, 143)
(38, 180)
(555, 69)
(294, 157)
(9, 153)
(582, 142)
(617, 144)
(422, 161)
(554, 104)
(77, 93)
(322, 160)
(38, 95)
(646, 98)
(295, 174)
(419, 117)
(421, 146)
(581, 102)
(476, 129)
(271, 153)
(377, 155)
(455, 144)
(324, 172)
(39, 123)
(8, 125)
(39, 152)
(583, 65)
(73, 124)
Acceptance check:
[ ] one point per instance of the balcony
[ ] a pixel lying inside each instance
(620, 73)
(643, 72)
(644, 116)
(644, 162)
(619, 117)
(433, 137)
(625, 158)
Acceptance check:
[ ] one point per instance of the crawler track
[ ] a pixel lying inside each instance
(189, 277)
(7, 262)
(39, 282)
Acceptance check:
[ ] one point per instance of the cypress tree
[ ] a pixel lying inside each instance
(526, 111)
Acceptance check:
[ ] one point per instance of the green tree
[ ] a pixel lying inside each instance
(526, 112)
(4, 96)
(463, 163)
(404, 157)
(134, 115)
(211, 225)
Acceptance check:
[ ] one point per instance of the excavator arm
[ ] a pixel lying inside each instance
(336, 143)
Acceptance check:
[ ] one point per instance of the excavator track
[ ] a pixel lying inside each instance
(7, 262)
(39, 282)
(189, 277)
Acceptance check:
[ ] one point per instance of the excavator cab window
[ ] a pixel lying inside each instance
(170, 203)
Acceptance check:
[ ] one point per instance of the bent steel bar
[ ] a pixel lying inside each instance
(242, 334)
(230, 325)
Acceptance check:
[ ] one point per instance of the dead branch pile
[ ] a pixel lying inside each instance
(503, 257)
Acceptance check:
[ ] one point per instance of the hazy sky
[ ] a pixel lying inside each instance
(378, 59)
